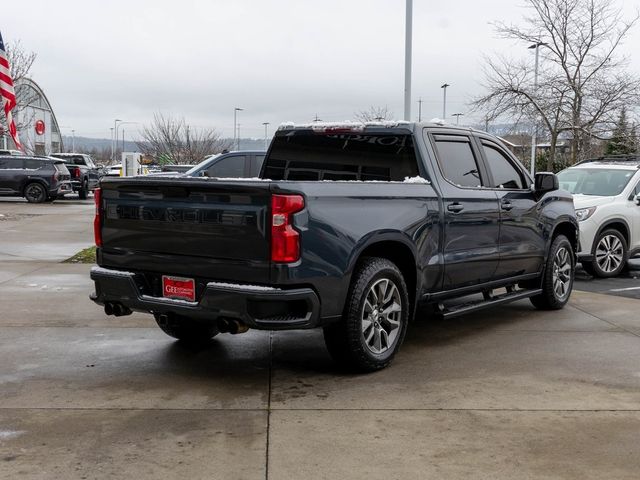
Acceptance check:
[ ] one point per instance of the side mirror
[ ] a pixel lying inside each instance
(546, 182)
(637, 199)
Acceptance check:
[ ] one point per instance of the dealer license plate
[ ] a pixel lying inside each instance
(179, 287)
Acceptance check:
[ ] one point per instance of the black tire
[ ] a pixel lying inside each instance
(35, 192)
(555, 296)
(608, 262)
(84, 190)
(346, 340)
(186, 329)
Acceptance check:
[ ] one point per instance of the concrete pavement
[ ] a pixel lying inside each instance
(507, 393)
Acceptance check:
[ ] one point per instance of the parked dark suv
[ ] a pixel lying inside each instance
(38, 179)
(85, 175)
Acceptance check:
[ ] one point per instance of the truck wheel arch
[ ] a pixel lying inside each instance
(569, 230)
(397, 249)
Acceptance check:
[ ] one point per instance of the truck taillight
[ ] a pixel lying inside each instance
(75, 172)
(97, 221)
(285, 240)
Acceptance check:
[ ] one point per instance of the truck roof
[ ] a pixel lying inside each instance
(351, 126)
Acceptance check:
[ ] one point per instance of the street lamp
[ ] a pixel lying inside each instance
(73, 140)
(266, 124)
(120, 122)
(235, 126)
(534, 146)
(114, 138)
(444, 99)
(420, 109)
(457, 115)
(407, 60)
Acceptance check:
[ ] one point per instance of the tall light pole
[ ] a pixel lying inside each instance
(457, 115)
(120, 122)
(444, 99)
(115, 139)
(407, 60)
(235, 127)
(73, 140)
(534, 145)
(420, 110)
(266, 124)
(112, 131)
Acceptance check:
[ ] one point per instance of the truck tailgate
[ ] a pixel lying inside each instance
(193, 227)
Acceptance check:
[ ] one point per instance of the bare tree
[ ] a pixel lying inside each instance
(374, 114)
(172, 140)
(582, 81)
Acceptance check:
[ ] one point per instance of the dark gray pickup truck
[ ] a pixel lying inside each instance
(350, 228)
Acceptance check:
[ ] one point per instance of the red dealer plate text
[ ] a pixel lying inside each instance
(179, 287)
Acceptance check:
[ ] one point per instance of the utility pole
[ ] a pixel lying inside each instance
(317, 119)
(266, 124)
(236, 139)
(407, 60)
(420, 109)
(444, 100)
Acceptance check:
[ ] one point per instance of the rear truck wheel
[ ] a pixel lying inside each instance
(557, 280)
(375, 318)
(610, 255)
(84, 190)
(185, 329)
(35, 193)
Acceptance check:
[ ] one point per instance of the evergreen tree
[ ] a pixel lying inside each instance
(622, 140)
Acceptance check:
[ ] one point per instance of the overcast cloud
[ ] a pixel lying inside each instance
(280, 60)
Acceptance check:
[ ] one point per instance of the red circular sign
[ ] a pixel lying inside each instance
(40, 127)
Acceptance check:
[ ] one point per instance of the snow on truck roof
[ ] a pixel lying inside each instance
(351, 126)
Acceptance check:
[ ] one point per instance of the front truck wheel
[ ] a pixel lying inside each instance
(557, 280)
(185, 329)
(375, 318)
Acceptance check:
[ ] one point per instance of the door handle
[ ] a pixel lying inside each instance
(506, 205)
(455, 207)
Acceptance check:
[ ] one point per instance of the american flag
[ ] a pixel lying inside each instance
(7, 93)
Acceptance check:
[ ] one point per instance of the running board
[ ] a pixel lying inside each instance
(489, 301)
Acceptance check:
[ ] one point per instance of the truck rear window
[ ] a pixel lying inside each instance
(305, 155)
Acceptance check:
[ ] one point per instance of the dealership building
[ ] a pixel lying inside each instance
(37, 125)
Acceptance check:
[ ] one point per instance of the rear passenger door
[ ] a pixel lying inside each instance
(521, 241)
(470, 212)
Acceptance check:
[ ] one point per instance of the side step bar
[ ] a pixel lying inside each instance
(489, 301)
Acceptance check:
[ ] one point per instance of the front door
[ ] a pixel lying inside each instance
(522, 245)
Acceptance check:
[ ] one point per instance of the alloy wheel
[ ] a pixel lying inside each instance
(609, 253)
(562, 273)
(381, 316)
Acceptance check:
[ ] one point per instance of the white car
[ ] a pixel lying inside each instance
(606, 195)
(113, 170)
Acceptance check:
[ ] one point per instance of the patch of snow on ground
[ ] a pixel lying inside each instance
(9, 434)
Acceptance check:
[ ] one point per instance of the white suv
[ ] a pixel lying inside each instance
(606, 195)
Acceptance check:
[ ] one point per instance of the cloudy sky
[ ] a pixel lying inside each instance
(280, 60)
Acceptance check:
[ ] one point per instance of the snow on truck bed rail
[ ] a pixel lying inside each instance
(347, 124)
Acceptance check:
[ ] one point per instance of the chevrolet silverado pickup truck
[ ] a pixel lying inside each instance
(350, 228)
